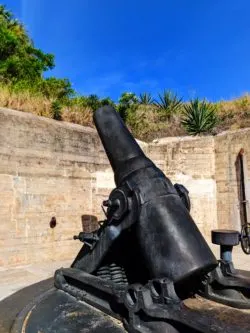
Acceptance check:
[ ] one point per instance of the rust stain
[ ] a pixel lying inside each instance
(25, 322)
(116, 322)
(79, 314)
(74, 314)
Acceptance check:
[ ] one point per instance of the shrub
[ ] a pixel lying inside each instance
(128, 103)
(242, 103)
(52, 87)
(56, 110)
(78, 115)
(93, 102)
(142, 121)
(107, 101)
(199, 117)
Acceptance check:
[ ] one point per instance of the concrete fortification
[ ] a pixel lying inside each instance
(51, 169)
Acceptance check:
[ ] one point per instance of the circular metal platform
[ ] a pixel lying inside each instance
(41, 308)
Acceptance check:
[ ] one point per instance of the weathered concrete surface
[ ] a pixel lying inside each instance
(50, 168)
(227, 148)
(47, 169)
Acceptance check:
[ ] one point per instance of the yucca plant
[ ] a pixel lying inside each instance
(199, 117)
(145, 99)
(168, 104)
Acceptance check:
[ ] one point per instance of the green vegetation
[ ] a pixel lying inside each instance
(145, 99)
(19, 59)
(23, 87)
(168, 104)
(199, 117)
(56, 109)
(127, 106)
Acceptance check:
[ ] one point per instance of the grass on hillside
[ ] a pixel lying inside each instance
(41, 106)
(233, 114)
(145, 122)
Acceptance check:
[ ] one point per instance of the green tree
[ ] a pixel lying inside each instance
(93, 102)
(107, 101)
(128, 99)
(199, 117)
(55, 88)
(128, 102)
(19, 59)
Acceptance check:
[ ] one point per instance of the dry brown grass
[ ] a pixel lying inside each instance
(234, 114)
(145, 122)
(78, 115)
(42, 106)
(25, 101)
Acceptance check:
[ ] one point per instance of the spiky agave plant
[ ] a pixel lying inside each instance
(145, 99)
(168, 103)
(199, 117)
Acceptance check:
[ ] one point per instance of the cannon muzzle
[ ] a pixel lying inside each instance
(124, 153)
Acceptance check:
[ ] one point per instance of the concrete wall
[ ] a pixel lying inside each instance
(47, 169)
(227, 148)
(50, 168)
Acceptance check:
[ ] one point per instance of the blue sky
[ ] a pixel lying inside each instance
(197, 48)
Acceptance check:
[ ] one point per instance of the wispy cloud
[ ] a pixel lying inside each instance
(143, 85)
(102, 85)
(124, 79)
(163, 60)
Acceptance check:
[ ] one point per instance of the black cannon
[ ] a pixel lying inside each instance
(147, 268)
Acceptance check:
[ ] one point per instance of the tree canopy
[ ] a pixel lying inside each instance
(19, 58)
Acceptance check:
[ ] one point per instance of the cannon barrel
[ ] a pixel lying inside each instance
(169, 239)
(124, 153)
